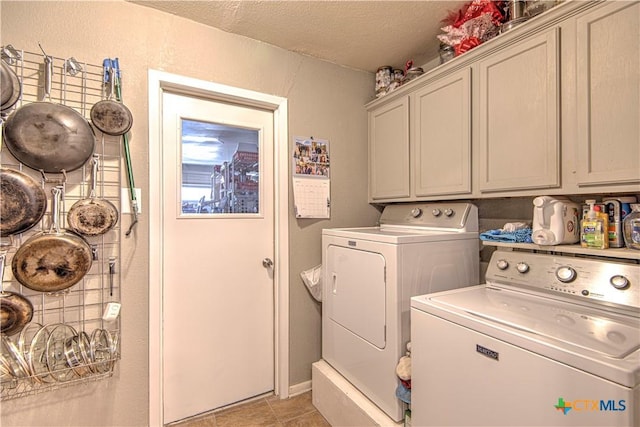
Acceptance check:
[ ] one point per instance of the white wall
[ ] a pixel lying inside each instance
(325, 101)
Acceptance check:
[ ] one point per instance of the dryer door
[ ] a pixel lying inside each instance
(355, 298)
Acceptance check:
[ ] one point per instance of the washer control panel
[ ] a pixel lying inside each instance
(593, 279)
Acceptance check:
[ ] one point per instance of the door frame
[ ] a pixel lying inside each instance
(159, 82)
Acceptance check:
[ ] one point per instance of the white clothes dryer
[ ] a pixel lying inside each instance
(369, 277)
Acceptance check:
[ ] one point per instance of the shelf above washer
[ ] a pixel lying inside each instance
(620, 253)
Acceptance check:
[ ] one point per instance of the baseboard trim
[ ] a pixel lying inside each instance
(299, 388)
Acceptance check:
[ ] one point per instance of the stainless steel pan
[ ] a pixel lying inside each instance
(47, 136)
(16, 311)
(92, 216)
(10, 87)
(22, 202)
(54, 260)
(111, 116)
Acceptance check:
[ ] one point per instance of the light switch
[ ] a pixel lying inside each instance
(111, 311)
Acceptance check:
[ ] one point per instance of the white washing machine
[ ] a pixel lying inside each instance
(548, 340)
(369, 276)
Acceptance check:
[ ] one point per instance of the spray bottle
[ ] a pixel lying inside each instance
(594, 230)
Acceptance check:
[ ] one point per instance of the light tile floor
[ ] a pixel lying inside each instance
(296, 411)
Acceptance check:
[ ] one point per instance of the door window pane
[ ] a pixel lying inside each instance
(220, 169)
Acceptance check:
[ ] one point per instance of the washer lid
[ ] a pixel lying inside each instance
(553, 321)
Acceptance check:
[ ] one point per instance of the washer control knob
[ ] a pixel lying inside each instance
(416, 212)
(448, 212)
(619, 282)
(565, 274)
(502, 264)
(436, 212)
(522, 267)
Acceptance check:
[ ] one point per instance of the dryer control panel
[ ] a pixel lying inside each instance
(454, 216)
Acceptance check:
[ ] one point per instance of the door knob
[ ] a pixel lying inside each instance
(267, 263)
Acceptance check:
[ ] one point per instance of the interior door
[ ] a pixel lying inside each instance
(218, 227)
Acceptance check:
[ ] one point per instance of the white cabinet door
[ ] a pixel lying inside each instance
(441, 136)
(389, 151)
(608, 91)
(519, 123)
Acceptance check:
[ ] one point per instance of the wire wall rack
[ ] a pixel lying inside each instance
(74, 334)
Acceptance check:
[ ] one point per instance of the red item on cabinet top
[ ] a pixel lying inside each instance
(466, 44)
(480, 7)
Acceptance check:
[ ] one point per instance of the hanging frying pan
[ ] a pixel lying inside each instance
(10, 88)
(47, 136)
(15, 310)
(53, 260)
(22, 202)
(92, 216)
(111, 116)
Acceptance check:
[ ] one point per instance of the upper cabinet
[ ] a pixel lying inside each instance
(420, 144)
(519, 123)
(608, 95)
(441, 136)
(549, 107)
(389, 151)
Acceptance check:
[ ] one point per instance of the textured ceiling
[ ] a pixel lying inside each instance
(358, 34)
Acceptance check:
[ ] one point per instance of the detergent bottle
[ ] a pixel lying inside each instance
(594, 230)
(555, 221)
(631, 226)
